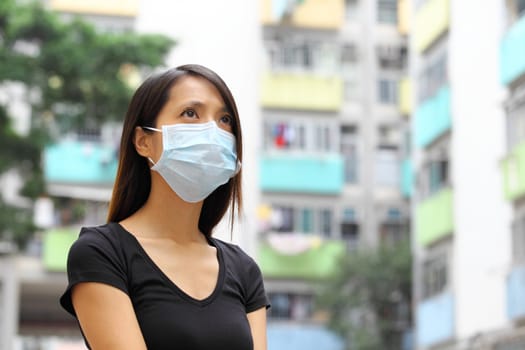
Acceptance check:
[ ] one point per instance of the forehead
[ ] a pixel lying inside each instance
(195, 88)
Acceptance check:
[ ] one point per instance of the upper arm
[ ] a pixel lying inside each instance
(106, 317)
(257, 321)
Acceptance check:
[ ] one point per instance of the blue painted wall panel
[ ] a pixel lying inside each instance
(304, 337)
(432, 118)
(435, 319)
(407, 178)
(307, 173)
(512, 52)
(80, 162)
(516, 293)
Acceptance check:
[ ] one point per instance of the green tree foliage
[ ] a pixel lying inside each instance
(369, 298)
(74, 76)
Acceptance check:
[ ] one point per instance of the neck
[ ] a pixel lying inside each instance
(166, 215)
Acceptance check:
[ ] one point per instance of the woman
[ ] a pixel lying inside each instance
(154, 277)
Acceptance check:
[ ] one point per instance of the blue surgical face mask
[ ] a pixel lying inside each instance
(196, 159)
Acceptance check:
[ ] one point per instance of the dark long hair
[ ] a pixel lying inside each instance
(133, 182)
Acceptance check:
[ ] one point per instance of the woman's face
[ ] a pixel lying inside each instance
(195, 100)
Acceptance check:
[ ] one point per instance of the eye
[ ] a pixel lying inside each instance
(226, 119)
(190, 113)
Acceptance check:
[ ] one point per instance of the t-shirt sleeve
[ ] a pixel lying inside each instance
(93, 258)
(255, 293)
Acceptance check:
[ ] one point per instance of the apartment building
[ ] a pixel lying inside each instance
(468, 285)
(332, 151)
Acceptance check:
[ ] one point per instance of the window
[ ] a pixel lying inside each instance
(433, 77)
(387, 167)
(388, 91)
(515, 125)
(435, 275)
(520, 7)
(284, 219)
(326, 219)
(433, 177)
(351, 8)
(349, 152)
(289, 306)
(309, 220)
(300, 135)
(301, 54)
(391, 57)
(387, 11)
(350, 228)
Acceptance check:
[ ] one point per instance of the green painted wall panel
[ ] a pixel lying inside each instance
(317, 262)
(56, 247)
(513, 167)
(434, 217)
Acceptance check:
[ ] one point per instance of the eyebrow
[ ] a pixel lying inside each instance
(199, 104)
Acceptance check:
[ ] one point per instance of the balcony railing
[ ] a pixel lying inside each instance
(512, 51)
(314, 260)
(319, 14)
(433, 118)
(73, 162)
(431, 21)
(434, 217)
(305, 91)
(435, 319)
(302, 173)
(56, 247)
(516, 293)
(513, 167)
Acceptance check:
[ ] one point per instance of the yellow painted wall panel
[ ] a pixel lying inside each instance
(101, 7)
(405, 96)
(321, 14)
(301, 91)
(431, 20)
(404, 14)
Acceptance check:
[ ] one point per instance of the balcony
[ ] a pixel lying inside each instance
(432, 118)
(317, 14)
(405, 96)
(56, 247)
(407, 178)
(513, 167)
(84, 170)
(299, 256)
(516, 293)
(512, 51)
(403, 18)
(431, 21)
(434, 217)
(302, 173)
(302, 336)
(127, 8)
(435, 320)
(304, 91)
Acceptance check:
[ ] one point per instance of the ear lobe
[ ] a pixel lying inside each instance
(142, 142)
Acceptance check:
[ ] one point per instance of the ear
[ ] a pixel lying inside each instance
(143, 143)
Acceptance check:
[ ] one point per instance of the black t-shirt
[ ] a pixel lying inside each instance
(168, 317)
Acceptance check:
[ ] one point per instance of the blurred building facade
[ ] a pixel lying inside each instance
(332, 151)
(469, 283)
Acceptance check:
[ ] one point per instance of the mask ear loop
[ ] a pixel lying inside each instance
(152, 129)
